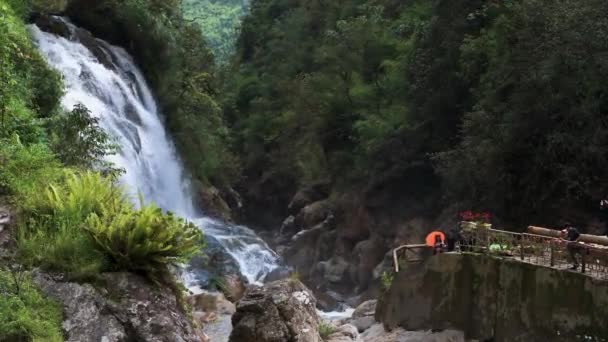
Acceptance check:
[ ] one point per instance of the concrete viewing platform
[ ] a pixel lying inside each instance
(503, 286)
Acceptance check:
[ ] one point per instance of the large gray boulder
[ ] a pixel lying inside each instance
(128, 308)
(377, 334)
(281, 311)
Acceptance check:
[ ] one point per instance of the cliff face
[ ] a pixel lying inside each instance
(502, 300)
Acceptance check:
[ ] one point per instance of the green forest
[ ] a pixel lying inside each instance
(493, 105)
(488, 105)
(219, 21)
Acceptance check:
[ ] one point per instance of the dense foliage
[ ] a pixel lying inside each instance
(85, 225)
(64, 212)
(219, 21)
(499, 105)
(25, 315)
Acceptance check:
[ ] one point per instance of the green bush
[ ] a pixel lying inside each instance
(85, 225)
(54, 237)
(23, 168)
(145, 240)
(24, 313)
(78, 140)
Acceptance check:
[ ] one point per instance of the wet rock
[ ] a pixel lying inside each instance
(279, 273)
(210, 199)
(314, 214)
(128, 308)
(328, 300)
(280, 311)
(288, 226)
(217, 270)
(308, 195)
(53, 25)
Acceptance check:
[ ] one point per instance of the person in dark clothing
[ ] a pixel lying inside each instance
(452, 237)
(572, 234)
(438, 248)
(604, 215)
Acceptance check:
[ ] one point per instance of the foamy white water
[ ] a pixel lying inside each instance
(119, 96)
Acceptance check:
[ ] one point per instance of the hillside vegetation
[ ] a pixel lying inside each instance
(70, 216)
(494, 105)
(219, 21)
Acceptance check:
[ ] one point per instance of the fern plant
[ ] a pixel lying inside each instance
(145, 240)
(77, 197)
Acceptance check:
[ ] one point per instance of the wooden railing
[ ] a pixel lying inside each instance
(535, 249)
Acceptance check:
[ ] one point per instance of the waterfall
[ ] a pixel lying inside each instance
(110, 85)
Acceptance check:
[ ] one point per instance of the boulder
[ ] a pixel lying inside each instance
(362, 323)
(53, 25)
(288, 226)
(377, 334)
(328, 300)
(314, 214)
(344, 333)
(333, 270)
(86, 318)
(136, 311)
(217, 270)
(367, 255)
(211, 302)
(211, 201)
(280, 311)
(219, 329)
(308, 195)
(279, 273)
(367, 308)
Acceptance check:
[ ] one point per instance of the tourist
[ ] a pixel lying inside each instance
(604, 215)
(439, 246)
(571, 234)
(453, 236)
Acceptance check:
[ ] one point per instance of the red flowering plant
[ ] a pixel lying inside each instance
(470, 216)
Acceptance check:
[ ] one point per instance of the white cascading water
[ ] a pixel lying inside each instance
(121, 99)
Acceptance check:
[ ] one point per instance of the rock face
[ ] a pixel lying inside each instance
(214, 313)
(377, 334)
(363, 316)
(128, 309)
(281, 311)
(496, 299)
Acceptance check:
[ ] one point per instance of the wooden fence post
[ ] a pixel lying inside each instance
(521, 247)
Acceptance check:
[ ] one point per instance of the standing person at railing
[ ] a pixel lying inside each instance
(571, 234)
(604, 214)
(453, 236)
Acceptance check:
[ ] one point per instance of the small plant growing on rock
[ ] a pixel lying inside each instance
(387, 280)
(294, 277)
(326, 329)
